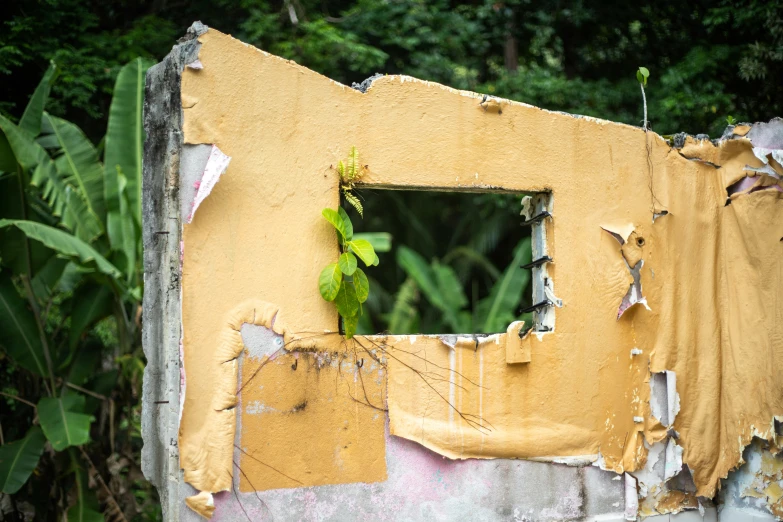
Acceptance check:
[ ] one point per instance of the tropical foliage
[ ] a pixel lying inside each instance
(710, 58)
(458, 259)
(70, 291)
(70, 269)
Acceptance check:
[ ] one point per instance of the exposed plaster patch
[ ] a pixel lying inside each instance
(216, 165)
(756, 486)
(664, 399)
(260, 341)
(673, 459)
(764, 154)
(193, 160)
(634, 294)
(631, 498)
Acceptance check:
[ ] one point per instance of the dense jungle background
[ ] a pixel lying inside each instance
(70, 161)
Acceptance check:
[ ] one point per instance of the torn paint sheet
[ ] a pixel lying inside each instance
(620, 232)
(202, 503)
(765, 169)
(217, 163)
(206, 456)
(197, 65)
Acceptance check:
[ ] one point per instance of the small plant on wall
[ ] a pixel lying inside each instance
(343, 282)
(351, 171)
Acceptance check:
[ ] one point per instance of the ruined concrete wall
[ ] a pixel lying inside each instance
(659, 372)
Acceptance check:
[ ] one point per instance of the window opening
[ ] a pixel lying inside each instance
(455, 262)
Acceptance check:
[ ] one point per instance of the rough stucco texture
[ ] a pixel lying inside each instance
(712, 278)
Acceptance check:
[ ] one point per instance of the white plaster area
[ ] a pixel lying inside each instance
(260, 340)
(192, 163)
(736, 503)
(423, 486)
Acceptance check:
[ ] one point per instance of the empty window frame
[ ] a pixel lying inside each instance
(459, 263)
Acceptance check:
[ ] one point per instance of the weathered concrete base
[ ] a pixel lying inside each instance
(162, 303)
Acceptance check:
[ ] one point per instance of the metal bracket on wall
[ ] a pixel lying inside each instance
(536, 219)
(537, 262)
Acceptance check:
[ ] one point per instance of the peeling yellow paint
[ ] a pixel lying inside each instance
(711, 276)
(202, 503)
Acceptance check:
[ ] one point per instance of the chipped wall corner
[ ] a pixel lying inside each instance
(647, 387)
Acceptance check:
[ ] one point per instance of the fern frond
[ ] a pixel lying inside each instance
(341, 169)
(354, 163)
(354, 201)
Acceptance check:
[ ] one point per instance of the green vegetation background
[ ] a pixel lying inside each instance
(452, 263)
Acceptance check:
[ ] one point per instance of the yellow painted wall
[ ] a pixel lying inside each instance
(712, 277)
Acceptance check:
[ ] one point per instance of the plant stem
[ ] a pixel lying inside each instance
(644, 100)
(14, 397)
(41, 332)
(86, 391)
(26, 278)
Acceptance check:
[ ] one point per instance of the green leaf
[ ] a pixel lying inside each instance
(347, 223)
(66, 201)
(123, 151)
(449, 285)
(452, 296)
(85, 509)
(361, 284)
(64, 244)
(350, 324)
(473, 257)
(420, 271)
(47, 278)
(18, 459)
(26, 151)
(403, 317)
(380, 241)
(31, 119)
(496, 311)
(129, 232)
(62, 421)
(91, 303)
(78, 160)
(347, 263)
(642, 74)
(346, 301)
(329, 281)
(8, 161)
(18, 332)
(363, 249)
(333, 217)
